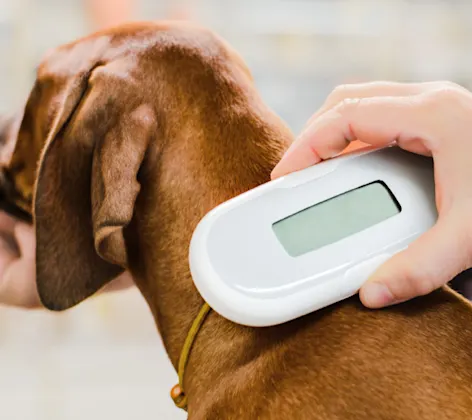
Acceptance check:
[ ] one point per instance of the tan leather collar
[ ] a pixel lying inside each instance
(177, 393)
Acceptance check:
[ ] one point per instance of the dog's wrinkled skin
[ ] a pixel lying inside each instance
(139, 131)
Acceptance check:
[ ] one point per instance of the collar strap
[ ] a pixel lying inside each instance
(177, 393)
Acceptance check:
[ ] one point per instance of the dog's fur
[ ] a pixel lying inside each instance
(141, 130)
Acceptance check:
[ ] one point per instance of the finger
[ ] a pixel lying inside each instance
(8, 253)
(376, 121)
(7, 223)
(427, 264)
(374, 89)
(26, 239)
(18, 286)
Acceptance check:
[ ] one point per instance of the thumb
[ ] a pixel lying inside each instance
(427, 264)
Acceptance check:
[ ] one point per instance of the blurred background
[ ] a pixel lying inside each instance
(104, 359)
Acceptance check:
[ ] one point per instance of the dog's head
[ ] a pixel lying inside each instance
(148, 123)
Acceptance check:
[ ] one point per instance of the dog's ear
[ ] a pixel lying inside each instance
(87, 184)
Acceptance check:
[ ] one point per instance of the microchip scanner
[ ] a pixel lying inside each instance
(312, 238)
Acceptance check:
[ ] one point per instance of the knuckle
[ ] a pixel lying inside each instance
(448, 93)
(440, 101)
(348, 104)
(450, 103)
(339, 93)
(447, 84)
(422, 285)
(415, 281)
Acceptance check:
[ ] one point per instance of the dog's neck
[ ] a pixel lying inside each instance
(231, 158)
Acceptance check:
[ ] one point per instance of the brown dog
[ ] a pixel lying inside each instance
(141, 130)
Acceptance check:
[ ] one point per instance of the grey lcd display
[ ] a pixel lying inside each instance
(337, 218)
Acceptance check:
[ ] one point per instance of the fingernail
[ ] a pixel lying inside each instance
(278, 170)
(376, 295)
(293, 160)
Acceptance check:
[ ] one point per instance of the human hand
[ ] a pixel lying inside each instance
(17, 265)
(432, 119)
(17, 270)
